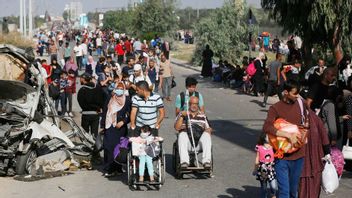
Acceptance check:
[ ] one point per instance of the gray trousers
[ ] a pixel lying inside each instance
(184, 147)
(166, 86)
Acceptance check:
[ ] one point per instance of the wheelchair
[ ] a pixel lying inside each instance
(192, 168)
(159, 171)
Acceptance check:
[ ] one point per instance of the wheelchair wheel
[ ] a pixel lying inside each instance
(176, 162)
(130, 172)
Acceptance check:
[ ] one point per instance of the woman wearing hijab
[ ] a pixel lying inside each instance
(117, 118)
(90, 67)
(70, 64)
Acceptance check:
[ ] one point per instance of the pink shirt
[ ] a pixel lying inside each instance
(265, 154)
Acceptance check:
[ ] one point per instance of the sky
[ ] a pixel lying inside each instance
(56, 7)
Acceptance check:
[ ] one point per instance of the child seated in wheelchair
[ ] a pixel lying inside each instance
(146, 147)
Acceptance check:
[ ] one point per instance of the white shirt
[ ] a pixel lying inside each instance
(347, 73)
(78, 50)
(98, 40)
(84, 48)
(135, 80)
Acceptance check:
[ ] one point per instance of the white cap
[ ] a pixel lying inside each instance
(137, 67)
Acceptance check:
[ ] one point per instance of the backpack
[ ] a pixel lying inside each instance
(251, 69)
(183, 99)
(54, 92)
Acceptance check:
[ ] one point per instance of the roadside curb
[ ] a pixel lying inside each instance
(199, 69)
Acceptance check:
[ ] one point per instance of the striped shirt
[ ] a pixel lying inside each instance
(200, 119)
(147, 113)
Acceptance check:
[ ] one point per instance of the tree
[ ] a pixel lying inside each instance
(120, 20)
(66, 15)
(225, 32)
(155, 17)
(323, 22)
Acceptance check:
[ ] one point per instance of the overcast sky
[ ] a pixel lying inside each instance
(56, 7)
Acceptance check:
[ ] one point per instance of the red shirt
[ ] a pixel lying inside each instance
(128, 46)
(119, 50)
(48, 72)
(71, 88)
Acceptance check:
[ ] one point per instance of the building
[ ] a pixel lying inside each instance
(75, 9)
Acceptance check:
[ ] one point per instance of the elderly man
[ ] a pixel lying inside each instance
(201, 132)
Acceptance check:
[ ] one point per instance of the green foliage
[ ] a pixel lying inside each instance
(325, 22)
(66, 15)
(155, 16)
(225, 31)
(188, 17)
(120, 20)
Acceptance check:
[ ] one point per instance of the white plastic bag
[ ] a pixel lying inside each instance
(330, 180)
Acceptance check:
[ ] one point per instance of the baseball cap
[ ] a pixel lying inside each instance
(137, 67)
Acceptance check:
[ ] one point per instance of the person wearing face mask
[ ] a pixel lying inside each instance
(141, 147)
(117, 118)
(201, 133)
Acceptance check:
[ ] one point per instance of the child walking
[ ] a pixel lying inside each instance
(264, 167)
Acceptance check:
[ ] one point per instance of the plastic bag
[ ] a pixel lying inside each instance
(330, 180)
(281, 144)
(338, 160)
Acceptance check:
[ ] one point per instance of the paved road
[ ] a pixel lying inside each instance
(237, 120)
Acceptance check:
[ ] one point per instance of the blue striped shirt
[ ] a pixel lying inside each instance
(147, 113)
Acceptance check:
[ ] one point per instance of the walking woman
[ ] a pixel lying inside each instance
(117, 118)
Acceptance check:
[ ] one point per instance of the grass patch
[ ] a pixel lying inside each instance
(15, 38)
(183, 51)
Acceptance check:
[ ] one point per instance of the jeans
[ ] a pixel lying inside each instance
(288, 173)
(79, 62)
(62, 100)
(143, 159)
(99, 51)
(69, 100)
(184, 147)
(166, 86)
(264, 188)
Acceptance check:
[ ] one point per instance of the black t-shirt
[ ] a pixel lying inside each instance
(318, 93)
(127, 70)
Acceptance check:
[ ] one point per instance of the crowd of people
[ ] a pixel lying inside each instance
(321, 96)
(120, 94)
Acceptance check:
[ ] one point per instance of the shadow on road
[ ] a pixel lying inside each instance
(237, 133)
(249, 191)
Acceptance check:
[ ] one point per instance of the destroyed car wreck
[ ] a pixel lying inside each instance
(30, 127)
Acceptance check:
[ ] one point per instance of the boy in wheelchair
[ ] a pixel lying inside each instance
(146, 147)
(201, 134)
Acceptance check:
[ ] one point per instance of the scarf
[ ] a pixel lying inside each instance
(116, 103)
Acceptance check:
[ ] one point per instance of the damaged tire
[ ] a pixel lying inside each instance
(24, 162)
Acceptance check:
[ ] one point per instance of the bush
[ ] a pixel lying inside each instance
(225, 32)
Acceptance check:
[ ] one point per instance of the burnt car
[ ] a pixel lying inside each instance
(29, 124)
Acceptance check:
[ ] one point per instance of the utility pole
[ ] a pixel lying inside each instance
(30, 16)
(24, 19)
(21, 16)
